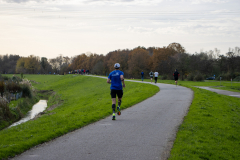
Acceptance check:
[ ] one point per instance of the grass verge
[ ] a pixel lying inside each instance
(210, 130)
(212, 126)
(224, 85)
(85, 100)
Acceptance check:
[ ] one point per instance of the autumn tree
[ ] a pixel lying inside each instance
(20, 65)
(117, 56)
(177, 47)
(32, 64)
(160, 59)
(138, 61)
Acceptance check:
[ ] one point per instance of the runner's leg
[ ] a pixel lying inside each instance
(113, 104)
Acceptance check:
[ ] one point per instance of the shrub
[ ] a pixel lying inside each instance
(26, 90)
(190, 77)
(237, 78)
(2, 87)
(198, 77)
(170, 77)
(5, 113)
(225, 77)
(13, 87)
(164, 77)
(236, 74)
(16, 79)
(5, 78)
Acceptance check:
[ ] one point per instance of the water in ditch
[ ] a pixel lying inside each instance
(37, 108)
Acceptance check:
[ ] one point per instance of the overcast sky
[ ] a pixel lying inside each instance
(47, 28)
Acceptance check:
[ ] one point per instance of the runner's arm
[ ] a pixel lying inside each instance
(122, 79)
(108, 80)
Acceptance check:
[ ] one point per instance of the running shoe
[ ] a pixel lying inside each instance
(118, 111)
(113, 117)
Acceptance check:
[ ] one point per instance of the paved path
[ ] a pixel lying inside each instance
(224, 92)
(145, 131)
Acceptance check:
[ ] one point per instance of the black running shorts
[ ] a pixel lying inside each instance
(114, 92)
(176, 78)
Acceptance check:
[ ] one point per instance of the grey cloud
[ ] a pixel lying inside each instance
(22, 1)
(109, 0)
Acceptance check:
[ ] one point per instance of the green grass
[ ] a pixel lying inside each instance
(85, 100)
(210, 130)
(224, 85)
(18, 109)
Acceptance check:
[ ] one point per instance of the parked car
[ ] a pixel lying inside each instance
(210, 78)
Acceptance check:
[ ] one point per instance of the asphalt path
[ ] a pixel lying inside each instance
(224, 92)
(144, 131)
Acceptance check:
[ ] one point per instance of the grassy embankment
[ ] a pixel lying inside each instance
(85, 100)
(212, 126)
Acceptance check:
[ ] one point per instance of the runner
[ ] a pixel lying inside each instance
(176, 74)
(117, 82)
(156, 76)
(151, 75)
(142, 75)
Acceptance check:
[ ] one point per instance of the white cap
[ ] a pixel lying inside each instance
(116, 65)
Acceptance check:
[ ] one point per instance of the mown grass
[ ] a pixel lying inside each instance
(85, 100)
(210, 130)
(224, 85)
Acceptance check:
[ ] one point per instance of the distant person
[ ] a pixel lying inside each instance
(176, 74)
(142, 75)
(156, 76)
(117, 82)
(151, 75)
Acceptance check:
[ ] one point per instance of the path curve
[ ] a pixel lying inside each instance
(144, 131)
(224, 92)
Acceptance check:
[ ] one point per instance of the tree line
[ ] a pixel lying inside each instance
(133, 61)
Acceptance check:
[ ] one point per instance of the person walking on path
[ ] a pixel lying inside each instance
(156, 76)
(176, 74)
(151, 75)
(142, 75)
(116, 80)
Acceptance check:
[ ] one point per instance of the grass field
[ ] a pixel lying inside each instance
(209, 131)
(224, 85)
(85, 100)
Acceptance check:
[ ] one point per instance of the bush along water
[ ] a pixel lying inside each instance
(17, 98)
